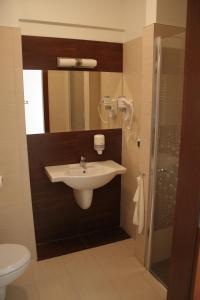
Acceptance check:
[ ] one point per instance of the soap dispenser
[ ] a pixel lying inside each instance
(99, 143)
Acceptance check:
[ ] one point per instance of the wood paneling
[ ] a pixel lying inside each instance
(56, 214)
(188, 191)
(42, 52)
(46, 100)
(196, 279)
(81, 242)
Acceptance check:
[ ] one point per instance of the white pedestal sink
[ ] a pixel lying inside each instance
(85, 180)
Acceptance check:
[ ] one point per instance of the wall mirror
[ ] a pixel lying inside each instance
(60, 101)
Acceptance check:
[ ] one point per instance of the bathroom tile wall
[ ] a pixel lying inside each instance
(56, 214)
(16, 221)
(138, 85)
(130, 152)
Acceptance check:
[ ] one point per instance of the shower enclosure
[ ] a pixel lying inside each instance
(166, 127)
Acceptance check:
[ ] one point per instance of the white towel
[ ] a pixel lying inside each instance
(138, 217)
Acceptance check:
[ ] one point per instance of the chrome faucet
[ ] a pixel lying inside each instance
(83, 162)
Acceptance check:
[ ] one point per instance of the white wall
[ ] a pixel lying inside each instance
(168, 12)
(115, 20)
(87, 12)
(16, 219)
(134, 18)
(105, 20)
(172, 12)
(151, 12)
(95, 13)
(9, 12)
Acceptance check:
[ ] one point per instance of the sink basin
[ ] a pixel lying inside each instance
(84, 181)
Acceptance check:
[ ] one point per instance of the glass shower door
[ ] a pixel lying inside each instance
(166, 143)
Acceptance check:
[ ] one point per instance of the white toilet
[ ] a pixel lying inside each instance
(14, 259)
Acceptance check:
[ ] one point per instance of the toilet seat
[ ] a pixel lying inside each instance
(12, 258)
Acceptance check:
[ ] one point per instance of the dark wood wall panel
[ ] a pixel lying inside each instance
(196, 277)
(188, 189)
(56, 214)
(42, 52)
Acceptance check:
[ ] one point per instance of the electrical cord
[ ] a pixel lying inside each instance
(100, 115)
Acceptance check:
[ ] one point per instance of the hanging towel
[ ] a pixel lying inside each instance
(138, 217)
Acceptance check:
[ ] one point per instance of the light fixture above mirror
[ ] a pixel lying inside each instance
(65, 62)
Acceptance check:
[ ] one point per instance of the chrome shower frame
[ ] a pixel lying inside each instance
(154, 145)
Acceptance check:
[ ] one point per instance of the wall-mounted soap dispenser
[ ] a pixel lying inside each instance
(99, 143)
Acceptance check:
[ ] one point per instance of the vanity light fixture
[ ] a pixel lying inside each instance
(64, 62)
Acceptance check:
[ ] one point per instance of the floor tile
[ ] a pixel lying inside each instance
(109, 272)
(26, 292)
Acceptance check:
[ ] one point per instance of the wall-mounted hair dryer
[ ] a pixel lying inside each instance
(115, 105)
(126, 107)
(110, 105)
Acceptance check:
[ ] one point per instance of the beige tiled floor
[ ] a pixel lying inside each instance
(109, 272)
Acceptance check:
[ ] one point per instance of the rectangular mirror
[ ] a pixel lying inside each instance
(60, 101)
